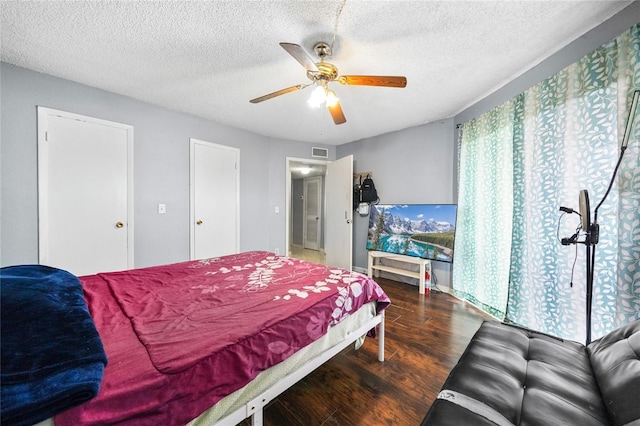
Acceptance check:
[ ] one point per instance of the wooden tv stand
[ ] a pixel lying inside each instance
(425, 267)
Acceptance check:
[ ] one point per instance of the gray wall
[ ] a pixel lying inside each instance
(410, 166)
(161, 168)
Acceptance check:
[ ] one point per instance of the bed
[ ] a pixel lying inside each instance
(213, 341)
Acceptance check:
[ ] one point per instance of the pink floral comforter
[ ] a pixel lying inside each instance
(183, 336)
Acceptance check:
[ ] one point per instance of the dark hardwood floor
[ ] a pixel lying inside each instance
(425, 337)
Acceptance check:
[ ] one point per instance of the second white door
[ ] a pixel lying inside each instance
(215, 200)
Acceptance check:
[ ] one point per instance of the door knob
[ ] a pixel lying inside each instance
(199, 222)
(119, 225)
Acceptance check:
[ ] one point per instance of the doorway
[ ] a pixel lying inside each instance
(305, 209)
(337, 197)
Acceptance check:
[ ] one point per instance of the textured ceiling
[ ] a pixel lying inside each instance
(209, 58)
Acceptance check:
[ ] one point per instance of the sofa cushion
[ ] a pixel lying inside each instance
(521, 376)
(615, 359)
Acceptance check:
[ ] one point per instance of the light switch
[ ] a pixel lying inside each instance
(162, 208)
(277, 209)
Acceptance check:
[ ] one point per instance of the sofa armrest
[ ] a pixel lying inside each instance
(615, 359)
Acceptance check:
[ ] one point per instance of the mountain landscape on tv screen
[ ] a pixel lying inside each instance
(425, 231)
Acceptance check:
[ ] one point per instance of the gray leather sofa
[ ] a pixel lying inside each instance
(514, 376)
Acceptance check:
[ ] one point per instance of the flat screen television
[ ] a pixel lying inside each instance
(421, 230)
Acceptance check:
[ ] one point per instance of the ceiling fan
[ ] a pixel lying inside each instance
(322, 73)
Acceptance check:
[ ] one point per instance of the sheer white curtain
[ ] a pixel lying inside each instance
(523, 160)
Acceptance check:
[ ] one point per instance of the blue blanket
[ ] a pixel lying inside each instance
(52, 355)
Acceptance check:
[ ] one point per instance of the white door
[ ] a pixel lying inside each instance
(339, 213)
(215, 200)
(312, 211)
(85, 193)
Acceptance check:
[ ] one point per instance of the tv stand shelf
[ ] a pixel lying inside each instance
(423, 275)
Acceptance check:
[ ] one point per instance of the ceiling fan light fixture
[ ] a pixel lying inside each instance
(331, 99)
(318, 97)
(322, 73)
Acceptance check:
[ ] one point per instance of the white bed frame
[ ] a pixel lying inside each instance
(254, 408)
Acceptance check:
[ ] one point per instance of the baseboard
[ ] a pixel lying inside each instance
(359, 269)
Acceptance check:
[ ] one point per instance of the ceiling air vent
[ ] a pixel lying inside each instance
(319, 152)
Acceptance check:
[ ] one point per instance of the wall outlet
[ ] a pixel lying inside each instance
(277, 251)
(162, 208)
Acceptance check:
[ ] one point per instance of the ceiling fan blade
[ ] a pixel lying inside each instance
(337, 114)
(278, 93)
(373, 80)
(300, 55)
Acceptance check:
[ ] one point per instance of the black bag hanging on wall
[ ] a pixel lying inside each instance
(368, 193)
